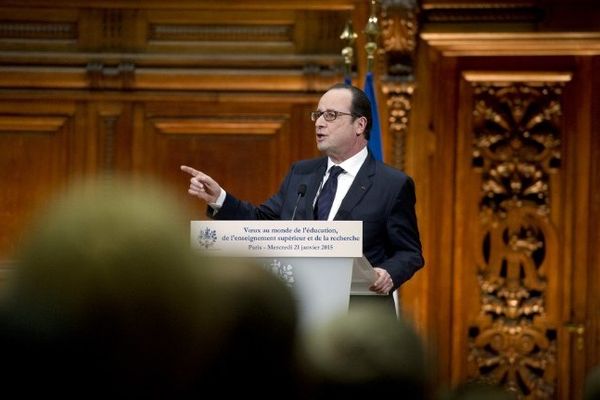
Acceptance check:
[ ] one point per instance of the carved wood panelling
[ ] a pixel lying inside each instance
(219, 33)
(37, 30)
(119, 77)
(111, 29)
(399, 23)
(507, 291)
(32, 28)
(399, 99)
(399, 30)
(516, 131)
(169, 48)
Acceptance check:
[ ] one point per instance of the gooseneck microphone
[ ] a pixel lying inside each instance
(301, 193)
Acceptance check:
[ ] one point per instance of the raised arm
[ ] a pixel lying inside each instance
(202, 186)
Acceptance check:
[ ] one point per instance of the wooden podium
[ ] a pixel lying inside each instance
(321, 261)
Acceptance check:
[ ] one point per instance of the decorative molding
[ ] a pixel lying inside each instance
(221, 33)
(313, 78)
(120, 77)
(482, 12)
(112, 27)
(166, 60)
(514, 43)
(516, 76)
(399, 27)
(399, 105)
(399, 37)
(516, 130)
(31, 124)
(220, 125)
(38, 30)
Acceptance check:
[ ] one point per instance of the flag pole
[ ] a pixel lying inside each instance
(349, 36)
(372, 32)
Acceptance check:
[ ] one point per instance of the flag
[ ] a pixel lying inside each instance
(375, 140)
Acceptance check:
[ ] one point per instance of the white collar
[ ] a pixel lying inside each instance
(352, 165)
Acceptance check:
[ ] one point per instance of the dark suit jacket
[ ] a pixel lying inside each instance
(380, 196)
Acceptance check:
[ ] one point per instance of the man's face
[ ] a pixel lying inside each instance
(341, 138)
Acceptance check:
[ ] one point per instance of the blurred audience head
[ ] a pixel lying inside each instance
(262, 351)
(368, 352)
(107, 297)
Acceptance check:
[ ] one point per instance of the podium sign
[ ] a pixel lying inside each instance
(321, 261)
(279, 238)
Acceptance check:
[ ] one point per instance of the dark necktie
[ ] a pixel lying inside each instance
(325, 199)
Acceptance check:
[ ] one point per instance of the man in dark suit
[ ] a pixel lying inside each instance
(361, 188)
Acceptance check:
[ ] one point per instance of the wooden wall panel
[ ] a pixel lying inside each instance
(508, 273)
(246, 147)
(560, 319)
(38, 152)
(593, 306)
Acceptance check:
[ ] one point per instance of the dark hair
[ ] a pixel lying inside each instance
(360, 106)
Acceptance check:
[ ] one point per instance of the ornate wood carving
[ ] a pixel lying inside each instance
(399, 27)
(399, 98)
(119, 77)
(399, 36)
(516, 149)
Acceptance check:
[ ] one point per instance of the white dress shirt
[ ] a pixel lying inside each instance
(351, 167)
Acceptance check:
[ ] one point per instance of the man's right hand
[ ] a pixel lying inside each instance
(202, 186)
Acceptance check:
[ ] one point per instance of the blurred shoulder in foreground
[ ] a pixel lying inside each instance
(368, 353)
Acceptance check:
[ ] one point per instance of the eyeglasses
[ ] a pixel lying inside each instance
(329, 115)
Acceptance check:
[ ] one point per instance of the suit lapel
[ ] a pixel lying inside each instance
(361, 185)
(313, 186)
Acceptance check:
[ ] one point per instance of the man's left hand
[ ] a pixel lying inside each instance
(383, 284)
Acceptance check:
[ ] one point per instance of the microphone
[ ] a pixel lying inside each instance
(301, 193)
